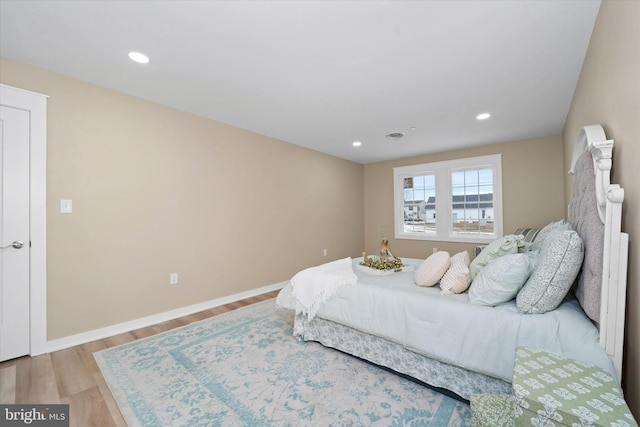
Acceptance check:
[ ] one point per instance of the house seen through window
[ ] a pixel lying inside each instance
(457, 200)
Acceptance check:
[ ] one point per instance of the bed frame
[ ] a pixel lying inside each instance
(464, 382)
(616, 243)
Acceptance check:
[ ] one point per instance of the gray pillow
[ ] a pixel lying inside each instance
(557, 267)
(547, 230)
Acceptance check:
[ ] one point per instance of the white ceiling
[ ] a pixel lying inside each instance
(322, 74)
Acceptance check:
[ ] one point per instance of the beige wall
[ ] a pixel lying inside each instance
(531, 171)
(156, 191)
(608, 93)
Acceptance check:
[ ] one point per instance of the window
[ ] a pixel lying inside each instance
(457, 200)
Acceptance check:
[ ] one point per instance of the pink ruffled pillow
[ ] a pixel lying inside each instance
(432, 269)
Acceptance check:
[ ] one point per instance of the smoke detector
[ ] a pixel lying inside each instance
(395, 135)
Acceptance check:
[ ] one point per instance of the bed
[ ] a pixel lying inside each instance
(448, 342)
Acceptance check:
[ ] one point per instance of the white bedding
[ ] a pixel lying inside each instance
(450, 329)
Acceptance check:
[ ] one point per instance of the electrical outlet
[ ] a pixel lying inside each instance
(66, 206)
(435, 250)
(173, 279)
(324, 252)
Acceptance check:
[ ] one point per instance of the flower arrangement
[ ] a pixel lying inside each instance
(376, 263)
(386, 261)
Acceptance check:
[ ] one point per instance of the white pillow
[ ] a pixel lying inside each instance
(504, 246)
(432, 269)
(501, 280)
(457, 278)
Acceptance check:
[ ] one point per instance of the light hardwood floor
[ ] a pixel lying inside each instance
(72, 376)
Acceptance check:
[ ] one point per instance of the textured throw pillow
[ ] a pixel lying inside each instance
(547, 230)
(504, 246)
(457, 278)
(432, 269)
(557, 266)
(501, 280)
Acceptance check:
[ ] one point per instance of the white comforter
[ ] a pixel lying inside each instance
(450, 329)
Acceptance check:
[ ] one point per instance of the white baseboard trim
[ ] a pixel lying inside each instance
(120, 328)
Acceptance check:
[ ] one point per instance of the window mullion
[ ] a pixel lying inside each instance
(443, 203)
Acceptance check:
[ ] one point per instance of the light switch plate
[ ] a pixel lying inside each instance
(173, 279)
(66, 206)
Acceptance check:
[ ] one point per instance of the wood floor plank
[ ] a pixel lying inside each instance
(120, 339)
(195, 317)
(8, 384)
(36, 380)
(88, 409)
(143, 332)
(166, 326)
(72, 375)
(87, 354)
(109, 401)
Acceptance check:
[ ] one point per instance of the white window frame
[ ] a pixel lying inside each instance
(442, 171)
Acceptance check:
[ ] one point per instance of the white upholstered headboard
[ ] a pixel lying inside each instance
(608, 198)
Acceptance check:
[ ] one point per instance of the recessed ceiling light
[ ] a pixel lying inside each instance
(483, 116)
(356, 143)
(139, 57)
(395, 135)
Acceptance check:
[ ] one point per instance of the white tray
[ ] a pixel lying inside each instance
(377, 272)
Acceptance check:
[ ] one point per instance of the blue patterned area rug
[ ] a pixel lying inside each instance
(244, 368)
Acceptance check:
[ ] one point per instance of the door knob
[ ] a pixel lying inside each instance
(18, 244)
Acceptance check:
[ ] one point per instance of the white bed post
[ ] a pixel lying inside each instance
(615, 282)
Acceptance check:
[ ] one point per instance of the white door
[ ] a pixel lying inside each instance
(14, 233)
